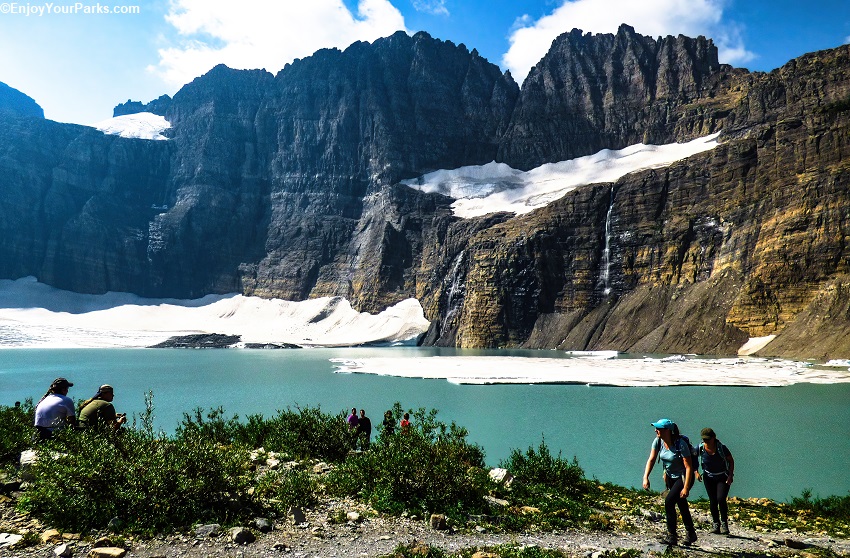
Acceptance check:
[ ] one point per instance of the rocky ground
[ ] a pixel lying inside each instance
(346, 528)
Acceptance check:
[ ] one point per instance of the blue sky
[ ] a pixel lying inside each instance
(79, 65)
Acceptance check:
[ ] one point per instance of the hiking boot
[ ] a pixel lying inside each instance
(715, 528)
(690, 537)
(670, 539)
(724, 528)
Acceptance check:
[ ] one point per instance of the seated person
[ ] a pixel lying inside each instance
(98, 411)
(55, 410)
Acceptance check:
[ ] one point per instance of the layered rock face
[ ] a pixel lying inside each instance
(15, 103)
(287, 186)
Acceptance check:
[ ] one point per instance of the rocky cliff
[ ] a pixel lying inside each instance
(15, 103)
(287, 186)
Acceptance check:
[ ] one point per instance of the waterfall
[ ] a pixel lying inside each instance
(605, 274)
(455, 292)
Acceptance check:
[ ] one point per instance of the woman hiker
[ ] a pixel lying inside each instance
(675, 454)
(718, 470)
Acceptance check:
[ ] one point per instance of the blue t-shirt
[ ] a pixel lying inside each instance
(713, 465)
(671, 458)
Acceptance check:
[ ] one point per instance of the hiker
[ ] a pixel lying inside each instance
(364, 429)
(389, 423)
(675, 454)
(352, 419)
(405, 423)
(55, 410)
(718, 470)
(99, 411)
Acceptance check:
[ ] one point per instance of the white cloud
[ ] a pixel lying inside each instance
(262, 34)
(434, 7)
(847, 40)
(530, 40)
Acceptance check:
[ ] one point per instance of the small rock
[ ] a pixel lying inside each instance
(484, 554)
(273, 464)
(10, 486)
(353, 516)
(8, 539)
(498, 502)
(240, 535)
(321, 468)
(280, 547)
(480, 529)
(51, 536)
(438, 522)
(501, 476)
(297, 515)
(528, 510)
(210, 530)
(63, 551)
(107, 552)
(102, 542)
(796, 545)
(70, 536)
(651, 515)
(384, 538)
(263, 525)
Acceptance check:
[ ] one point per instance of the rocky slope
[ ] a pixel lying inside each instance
(287, 186)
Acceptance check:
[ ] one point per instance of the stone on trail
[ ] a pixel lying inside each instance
(438, 522)
(484, 554)
(263, 525)
(51, 536)
(353, 516)
(9, 539)
(240, 535)
(204, 531)
(107, 552)
(297, 515)
(63, 551)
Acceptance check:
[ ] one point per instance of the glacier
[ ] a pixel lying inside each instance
(141, 125)
(482, 189)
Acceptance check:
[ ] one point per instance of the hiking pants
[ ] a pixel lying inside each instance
(717, 490)
(674, 498)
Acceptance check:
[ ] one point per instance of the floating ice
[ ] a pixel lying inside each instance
(36, 315)
(593, 370)
(142, 125)
(495, 186)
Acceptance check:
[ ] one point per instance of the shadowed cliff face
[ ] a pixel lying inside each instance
(287, 186)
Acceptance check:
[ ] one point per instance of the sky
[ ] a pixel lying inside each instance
(78, 62)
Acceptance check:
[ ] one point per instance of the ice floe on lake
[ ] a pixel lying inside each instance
(142, 125)
(495, 186)
(33, 314)
(594, 369)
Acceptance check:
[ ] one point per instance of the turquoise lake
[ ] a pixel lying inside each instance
(784, 439)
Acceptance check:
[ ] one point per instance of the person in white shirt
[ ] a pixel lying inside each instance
(55, 410)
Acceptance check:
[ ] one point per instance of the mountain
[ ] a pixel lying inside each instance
(289, 186)
(15, 103)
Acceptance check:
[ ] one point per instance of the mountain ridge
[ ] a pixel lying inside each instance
(286, 186)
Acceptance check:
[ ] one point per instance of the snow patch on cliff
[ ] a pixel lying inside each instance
(142, 125)
(33, 314)
(483, 189)
(593, 369)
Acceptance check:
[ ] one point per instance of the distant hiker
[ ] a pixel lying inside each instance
(352, 419)
(718, 470)
(405, 423)
(364, 429)
(675, 454)
(99, 412)
(55, 410)
(389, 423)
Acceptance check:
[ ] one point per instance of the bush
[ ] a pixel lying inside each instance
(431, 468)
(83, 479)
(283, 489)
(16, 426)
(836, 507)
(552, 484)
(303, 433)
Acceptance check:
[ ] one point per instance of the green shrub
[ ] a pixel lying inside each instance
(556, 486)
(836, 507)
(16, 426)
(282, 489)
(430, 468)
(83, 479)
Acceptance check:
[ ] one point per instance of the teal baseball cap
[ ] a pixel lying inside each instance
(663, 423)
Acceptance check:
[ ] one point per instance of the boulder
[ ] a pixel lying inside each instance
(9, 539)
(107, 552)
(438, 522)
(501, 476)
(297, 515)
(210, 530)
(353, 516)
(51, 536)
(240, 535)
(263, 525)
(63, 551)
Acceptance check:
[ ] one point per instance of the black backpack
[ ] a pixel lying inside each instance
(720, 451)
